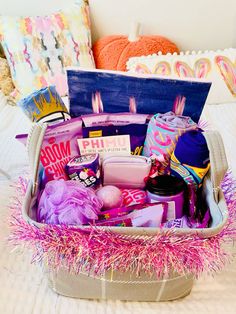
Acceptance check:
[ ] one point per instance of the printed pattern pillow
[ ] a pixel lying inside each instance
(38, 49)
(219, 67)
(1, 52)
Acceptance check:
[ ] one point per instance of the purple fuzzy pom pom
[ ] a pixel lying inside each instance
(68, 202)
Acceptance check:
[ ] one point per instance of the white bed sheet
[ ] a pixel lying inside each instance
(13, 157)
(23, 286)
(222, 117)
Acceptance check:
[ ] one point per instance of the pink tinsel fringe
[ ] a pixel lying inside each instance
(96, 251)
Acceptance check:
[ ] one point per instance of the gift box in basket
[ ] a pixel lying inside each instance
(125, 199)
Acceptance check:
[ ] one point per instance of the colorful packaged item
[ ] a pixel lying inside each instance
(149, 216)
(125, 210)
(117, 222)
(85, 169)
(163, 132)
(134, 197)
(177, 223)
(68, 203)
(45, 105)
(137, 133)
(160, 165)
(126, 171)
(169, 189)
(104, 119)
(186, 222)
(58, 147)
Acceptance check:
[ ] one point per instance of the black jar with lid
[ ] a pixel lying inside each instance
(167, 188)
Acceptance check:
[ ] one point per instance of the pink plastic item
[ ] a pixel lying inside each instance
(111, 196)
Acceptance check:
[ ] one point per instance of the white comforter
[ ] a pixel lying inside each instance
(13, 157)
(24, 288)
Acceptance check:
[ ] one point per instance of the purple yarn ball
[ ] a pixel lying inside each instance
(68, 202)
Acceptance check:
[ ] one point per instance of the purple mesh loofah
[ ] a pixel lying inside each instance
(69, 203)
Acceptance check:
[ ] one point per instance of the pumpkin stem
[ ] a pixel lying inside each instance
(134, 31)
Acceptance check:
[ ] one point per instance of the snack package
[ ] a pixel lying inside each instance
(85, 169)
(59, 146)
(104, 119)
(137, 133)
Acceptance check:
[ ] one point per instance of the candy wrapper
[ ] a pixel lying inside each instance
(122, 211)
(133, 197)
(85, 169)
(177, 223)
(150, 215)
(117, 222)
(186, 222)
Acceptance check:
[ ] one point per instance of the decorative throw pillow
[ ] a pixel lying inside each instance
(39, 48)
(216, 66)
(1, 52)
(112, 52)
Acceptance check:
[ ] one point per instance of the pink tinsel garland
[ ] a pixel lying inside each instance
(96, 251)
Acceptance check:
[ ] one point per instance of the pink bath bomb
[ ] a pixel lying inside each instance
(111, 196)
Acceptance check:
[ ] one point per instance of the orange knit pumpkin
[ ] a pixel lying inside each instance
(112, 52)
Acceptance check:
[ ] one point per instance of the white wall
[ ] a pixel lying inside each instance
(192, 24)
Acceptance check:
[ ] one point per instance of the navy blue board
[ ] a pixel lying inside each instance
(152, 94)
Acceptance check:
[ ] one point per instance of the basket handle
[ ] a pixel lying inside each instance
(214, 141)
(34, 144)
(219, 164)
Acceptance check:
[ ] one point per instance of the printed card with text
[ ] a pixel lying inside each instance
(119, 144)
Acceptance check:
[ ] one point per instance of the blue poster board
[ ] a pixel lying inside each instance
(117, 91)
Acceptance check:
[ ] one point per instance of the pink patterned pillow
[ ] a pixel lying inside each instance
(219, 67)
(39, 49)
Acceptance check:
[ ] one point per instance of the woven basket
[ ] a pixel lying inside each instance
(127, 285)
